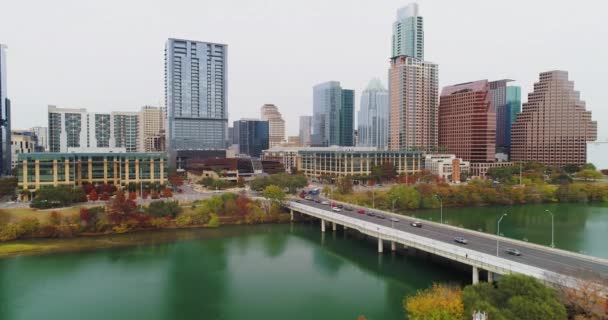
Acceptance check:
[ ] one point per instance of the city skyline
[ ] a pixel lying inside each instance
(144, 77)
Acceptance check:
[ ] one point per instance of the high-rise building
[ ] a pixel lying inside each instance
(251, 136)
(126, 130)
(5, 117)
(413, 100)
(554, 126)
(305, 130)
(276, 124)
(196, 95)
(408, 33)
(151, 129)
(333, 115)
(467, 121)
(507, 103)
(373, 116)
(22, 141)
(42, 138)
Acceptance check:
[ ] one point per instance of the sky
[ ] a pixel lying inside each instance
(109, 55)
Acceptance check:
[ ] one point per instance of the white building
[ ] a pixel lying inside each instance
(42, 138)
(151, 129)
(373, 116)
(287, 156)
(21, 142)
(276, 124)
(305, 130)
(446, 166)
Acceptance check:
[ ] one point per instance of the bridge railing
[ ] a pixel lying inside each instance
(464, 255)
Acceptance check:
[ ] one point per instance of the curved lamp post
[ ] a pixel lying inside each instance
(552, 229)
(498, 232)
(440, 206)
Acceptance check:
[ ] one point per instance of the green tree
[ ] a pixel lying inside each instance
(8, 186)
(588, 166)
(274, 193)
(436, 303)
(571, 168)
(407, 197)
(589, 174)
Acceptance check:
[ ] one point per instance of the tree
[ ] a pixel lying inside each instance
(571, 168)
(439, 302)
(164, 209)
(274, 193)
(589, 174)
(104, 196)
(120, 208)
(240, 182)
(389, 172)
(132, 195)
(166, 193)
(175, 179)
(344, 185)
(514, 297)
(8, 185)
(154, 195)
(93, 195)
(589, 166)
(326, 190)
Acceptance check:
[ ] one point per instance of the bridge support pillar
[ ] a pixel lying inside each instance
(291, 214)
(380, 245)
(393, 246)
(490, 277)
(333, 226)
(475, 275)
(322, 225)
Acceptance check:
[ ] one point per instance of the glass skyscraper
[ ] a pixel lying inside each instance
(5, 118)
(408, 33)
(195, 95)
(373, 116)
(252, 136)
(333, 113)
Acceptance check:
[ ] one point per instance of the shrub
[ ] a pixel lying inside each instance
(214, 221)
(183, 220)
(11, 231)
(164, 209)
(29, 226)
(160, 222)
(55, 218)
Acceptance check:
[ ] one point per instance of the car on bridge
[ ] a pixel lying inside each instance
(416, 224)
(348, 208)
(371, 214)
(336, 209)
(379, 216)
(461, 240)
(513, 251)
(361, 211)
(325, 202)
(394, 220)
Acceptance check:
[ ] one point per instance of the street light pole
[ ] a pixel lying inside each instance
(394, 200)
(498, 232)
(440, 206)
(552, 228)
(373, 198)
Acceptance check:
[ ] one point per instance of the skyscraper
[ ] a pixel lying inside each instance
(42, 138)
(126, 130)
(276, 124)
(305, 130)
(373, 116)
(333, 115)
(413, 100)
(151, 129)
(506, 100)
(252, 136)
(195, 94)
(408, 33)
(5, 117)
(467, 121)
(554, 126)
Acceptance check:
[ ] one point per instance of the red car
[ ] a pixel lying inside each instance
(361, 211)
(333, 204)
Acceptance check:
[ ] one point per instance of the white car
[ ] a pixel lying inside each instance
(325, 202)
(336, 209)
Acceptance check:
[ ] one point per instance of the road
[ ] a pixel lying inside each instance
(547, 259)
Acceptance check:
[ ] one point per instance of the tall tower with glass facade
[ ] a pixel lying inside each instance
(195, 95)
(5, 118)
(408, 33)
(372, 130)
(333, 113)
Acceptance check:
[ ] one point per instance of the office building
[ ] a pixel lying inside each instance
(408, 33)
(196, 95)
(251, 136)
(447, 166)
(126, 130)
(287, 156)
(151, 129)
(372, 130)
(42, 138)
(554, 125)
(413, 101)
(21, 142)
(5, 117)
(333, 115)
(332, 162)
(467, 121)
(305, 130)
(36, 170)
(276, 124)
(507, 103)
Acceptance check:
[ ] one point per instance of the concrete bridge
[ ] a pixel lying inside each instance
(482, 252)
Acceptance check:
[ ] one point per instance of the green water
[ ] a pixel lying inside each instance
(263, 272)
(578, 227)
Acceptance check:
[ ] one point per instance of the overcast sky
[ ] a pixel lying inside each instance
(109, 55)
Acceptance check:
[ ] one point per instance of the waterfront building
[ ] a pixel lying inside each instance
(408, 33)
(151, 129)
(195, 95)
(5, 117)
(554, 125)
(305, 130)
(447, 166)
(333, 115)
(372, 130)
(126, 130)
(276, 124)
(36, 170)
(331, 162)
(507, 104)
(467, 121)
(21, 142)
(413, 101)
(251, 136)
(42, 138)
(287, 156)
